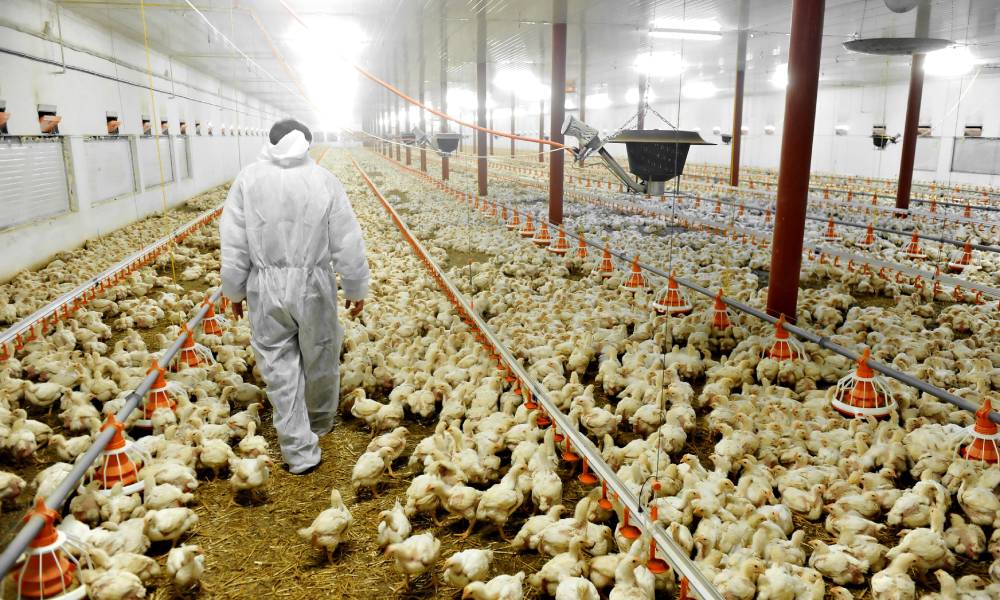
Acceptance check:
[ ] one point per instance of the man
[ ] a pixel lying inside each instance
(287, 230)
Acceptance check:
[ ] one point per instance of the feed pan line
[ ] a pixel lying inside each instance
(821, 341)
(681, 563)
(69, 483)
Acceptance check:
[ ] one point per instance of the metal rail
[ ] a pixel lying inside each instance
(821, 341)
(24, 330)
(674, 555)
(55, 500)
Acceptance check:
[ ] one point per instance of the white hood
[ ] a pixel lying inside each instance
(289, 151)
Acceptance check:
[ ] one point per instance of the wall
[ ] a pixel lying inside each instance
(83, 99)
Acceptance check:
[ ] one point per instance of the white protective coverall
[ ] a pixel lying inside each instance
(287, 230)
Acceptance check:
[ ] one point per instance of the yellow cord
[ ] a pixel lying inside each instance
(154, 125)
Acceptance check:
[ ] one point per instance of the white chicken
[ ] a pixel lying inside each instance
(462, 568)
(328, 528)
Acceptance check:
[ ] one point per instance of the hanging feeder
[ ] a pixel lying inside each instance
(561, 247)
(957, 266)
(212, 323)
(191, 354)
(913, 248)
(48, 572)
(985, 437)
(862, 394)
(586, 477)
(446, 143)
(568, 455)
(636, 280)
(581, 246)
(628, 531)
(720, 314)
(604, 502)
(783, 347)
(161, 395)
(118, 464)
(830, 235)
(869, 240)
(514, 222)
(656, 566)
(606, 268)
(528, 231)
(673, 301)
(542, 239)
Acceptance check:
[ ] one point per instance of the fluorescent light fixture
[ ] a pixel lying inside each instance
(461, 99)
(779, 78)
(523, 84)
(841, 129)
(949, 62)
(699, 90)
(769, 129)
(660, 64)
(707, 30)
(632, 95)
(598, 101)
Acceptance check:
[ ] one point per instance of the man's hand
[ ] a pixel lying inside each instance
(237, 309)
(354, 307)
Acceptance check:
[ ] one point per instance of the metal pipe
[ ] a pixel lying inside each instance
(558, 113)
(796, 154)
(674, 554)
(741, 65)
(480, 145)
(56, 499)
(909, 146)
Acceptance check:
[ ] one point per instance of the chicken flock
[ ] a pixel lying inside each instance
(771, 492)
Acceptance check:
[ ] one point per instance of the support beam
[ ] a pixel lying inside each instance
(395, 112)
(406, 89)
(443, 79)
(741, 66)
(558, 101)
(908, 151)
(480, 145)
(804, 49)
(492, 137)
(421, 82)
(513, 122)
(541, 130)
(581, 90)
(643, 85)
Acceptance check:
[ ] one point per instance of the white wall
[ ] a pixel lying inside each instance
(83, 99)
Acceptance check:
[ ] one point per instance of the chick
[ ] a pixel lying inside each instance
(368, 470)
(115, 584)
(186, 565)
(252, 445)
(501, 587)
(393, 527)
(328, 528)
(249, 474)
(467, 566)
(395, 440)
(169, 524)
(414, 555)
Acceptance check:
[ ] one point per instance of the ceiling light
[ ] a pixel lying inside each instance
(779, 78)
(699, 90)
(690, 29)
(523, 84)
(462, 99)
(660, 64)
(632, 96)
(949, 62)
(598, 101)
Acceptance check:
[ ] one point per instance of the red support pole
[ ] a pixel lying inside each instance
(556, 160)
(741, 64)
(480, 145)
(513, 122)
(910, 132)
(804, 50)
(541, 130)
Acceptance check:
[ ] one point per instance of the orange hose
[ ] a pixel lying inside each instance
(438, 113)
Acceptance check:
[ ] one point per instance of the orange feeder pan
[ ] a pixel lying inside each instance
(47, 572)
(964, 261)
(673, 301)
(720, 313)
(212, 323)
(604, 502)
(581, 248)
(561, 247)
(656, 566)
(191, 354)
(543, 238)
(586, 477)
(830, 234)
(784, 347)
(913, 248)
(628, 531)
(568, 455)
(636, 280)
(514, 222)
(528, 231)
(606, 268)
(116, 464)
(985, 437)
(862, 394)
(869, 240)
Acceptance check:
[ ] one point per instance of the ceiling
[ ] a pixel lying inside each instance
(604, 38)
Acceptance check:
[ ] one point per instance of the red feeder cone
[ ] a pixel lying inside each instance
(673, 301)
(561, 247)
(628, 531)
(869, 240)
(604, 503)
(514, 222)
(581, 247)
(116, 464)
(192, 354)
(636, 279)
(586, 477)
(784, 347)
(160, 395)
(606, 268)
(965, 260)
(656, 566)
(720, 314)
(568, 455)
(830, 234)
(985, 438)
(212, 323)
(543, 238)
(528, 231)
(913, 248)
(47, 571)
(862, 394)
